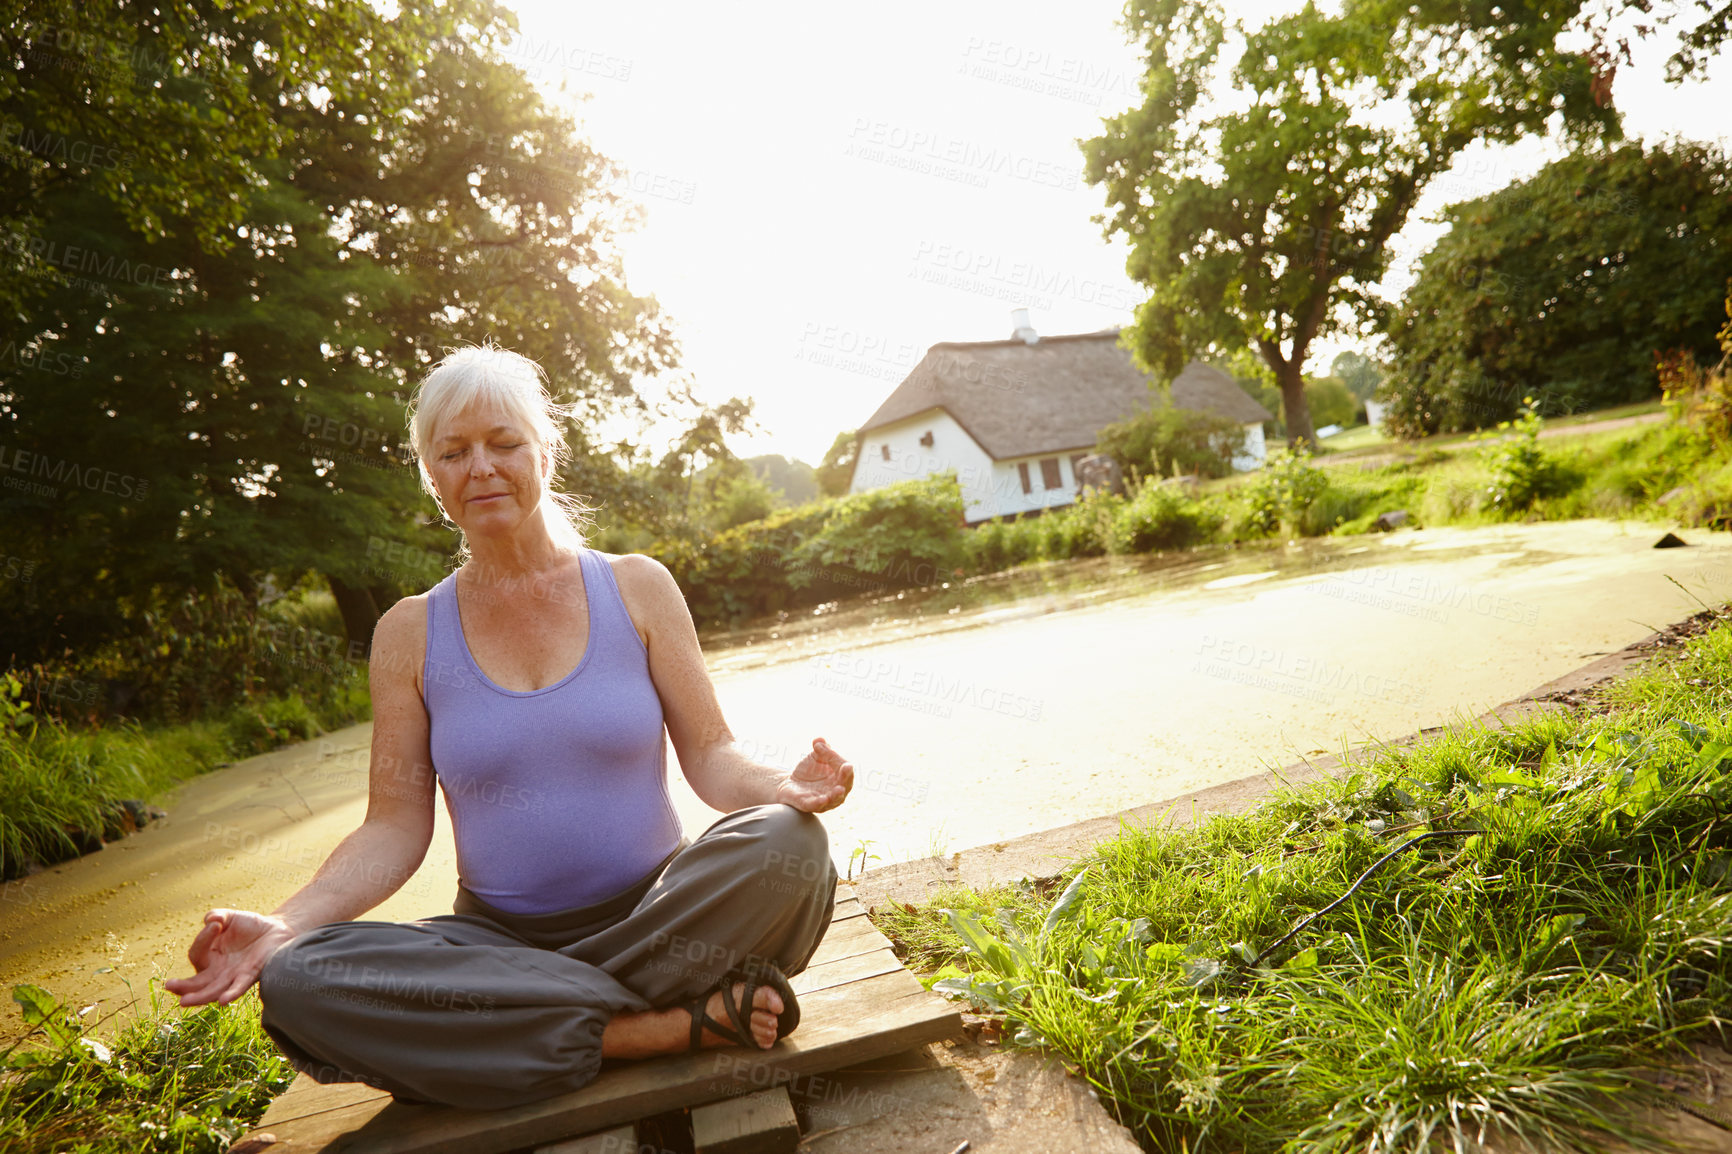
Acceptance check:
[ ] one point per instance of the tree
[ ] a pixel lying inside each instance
(836, 471)
(1264, 218)
(1162, 439)
(795, 482)
(1329, 401)
(1359, 373)
(1564, 286)
(226, 410)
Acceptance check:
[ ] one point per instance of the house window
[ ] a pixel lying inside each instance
(1049, 472)
(1022, 471)
(884, 450)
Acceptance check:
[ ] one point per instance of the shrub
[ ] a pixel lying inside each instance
(891, 538)
(1163, 517)
(1165, 440)
(1281, 496)
(1000, 544)
(1522, 472)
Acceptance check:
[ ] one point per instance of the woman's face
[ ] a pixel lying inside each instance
(487, 470)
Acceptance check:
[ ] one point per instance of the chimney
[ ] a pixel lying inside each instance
(1019, 322)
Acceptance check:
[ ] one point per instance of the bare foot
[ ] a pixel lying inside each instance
(670, 1031)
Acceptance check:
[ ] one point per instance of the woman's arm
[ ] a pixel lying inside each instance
(370, 864)
(723, 777)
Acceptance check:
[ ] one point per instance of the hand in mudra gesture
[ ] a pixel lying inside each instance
(228, 955)
(821, 781)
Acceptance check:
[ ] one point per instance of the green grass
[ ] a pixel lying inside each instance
(63, 785)
(1518, 974)
(1358, 437)
(167, 1082)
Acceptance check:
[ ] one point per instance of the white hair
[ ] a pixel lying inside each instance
(509, 383)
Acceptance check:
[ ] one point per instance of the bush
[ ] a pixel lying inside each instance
(1522, 472)
(1169, 441)
(1163, 517)
(891, 538)
(998, 545)
(1282, 495)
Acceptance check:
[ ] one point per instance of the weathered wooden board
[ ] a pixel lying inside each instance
(857, 1003)
(760, 1123)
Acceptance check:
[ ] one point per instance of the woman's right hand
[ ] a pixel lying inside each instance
(228, 955)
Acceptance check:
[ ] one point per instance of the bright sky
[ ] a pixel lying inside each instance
(831, 189)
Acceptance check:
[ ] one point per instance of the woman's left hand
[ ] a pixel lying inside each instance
(821, 781)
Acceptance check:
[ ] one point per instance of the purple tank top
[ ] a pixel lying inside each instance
(558, 796)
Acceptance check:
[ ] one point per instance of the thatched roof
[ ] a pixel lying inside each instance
(1018, 400)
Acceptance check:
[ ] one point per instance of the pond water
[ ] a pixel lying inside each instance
(973, 713)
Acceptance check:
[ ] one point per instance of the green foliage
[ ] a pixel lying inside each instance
(1161, 517)
(836, 471)
(1281, 497)
(741, 498)
(1701, 397)
(323, 199)
(1565, 928)
(1167, 441)
(1330, 402)
(1265, 226)
(1522, 472)
(208, 652)
(64, 786)
(793, 482)
(1563, 286)
(169, 1082)
(895, 537)
(1359, 373)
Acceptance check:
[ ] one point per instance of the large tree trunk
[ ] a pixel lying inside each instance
(1290, 375)
(361, 609)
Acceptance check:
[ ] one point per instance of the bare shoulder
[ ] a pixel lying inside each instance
(641, 574)
(400, 638)
(652, 597)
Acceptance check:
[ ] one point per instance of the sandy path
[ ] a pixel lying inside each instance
(1049, 710)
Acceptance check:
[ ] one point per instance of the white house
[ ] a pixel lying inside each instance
(1012, 418)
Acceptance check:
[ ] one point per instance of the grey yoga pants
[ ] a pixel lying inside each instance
(486, 1009)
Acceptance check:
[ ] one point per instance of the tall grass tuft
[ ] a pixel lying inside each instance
(1567, 928)
(167, 1081)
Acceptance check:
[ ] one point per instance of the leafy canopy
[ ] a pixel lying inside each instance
(1262, 176)
(1564, 286)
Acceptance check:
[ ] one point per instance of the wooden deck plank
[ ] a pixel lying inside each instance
(854, 936)
(857, 1003)
(853, 968)
(843, 1025)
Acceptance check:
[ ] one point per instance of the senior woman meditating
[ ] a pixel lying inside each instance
(534, 684)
